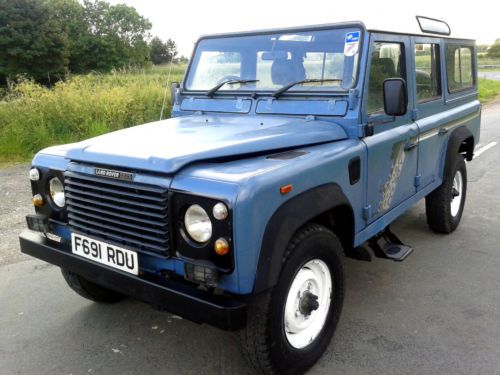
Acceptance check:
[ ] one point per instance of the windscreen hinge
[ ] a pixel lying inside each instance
(366, 130)
(353, 98)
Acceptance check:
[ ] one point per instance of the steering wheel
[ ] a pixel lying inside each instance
(227, 78)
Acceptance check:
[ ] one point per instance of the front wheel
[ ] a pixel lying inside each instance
(89, 290)
(445, 205)
(290, 326)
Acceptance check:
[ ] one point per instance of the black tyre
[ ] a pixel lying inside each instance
(445, 205)
(89, 290)
(290, 326)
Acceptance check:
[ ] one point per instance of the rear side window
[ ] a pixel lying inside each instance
(427, 72)
(387, 62)
(459, 68)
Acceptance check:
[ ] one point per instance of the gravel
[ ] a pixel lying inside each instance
(15, 192)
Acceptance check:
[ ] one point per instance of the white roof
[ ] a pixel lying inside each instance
(400, 25)
(404, 25)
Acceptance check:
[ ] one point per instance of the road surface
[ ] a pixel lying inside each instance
(438, 312)
(495, 75)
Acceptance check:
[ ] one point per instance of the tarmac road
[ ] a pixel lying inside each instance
(438, 312)
(495, 75)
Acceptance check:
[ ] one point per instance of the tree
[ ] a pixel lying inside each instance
(182, 59)
(69, 15)
(31, 41)
(118, 31)
(494, 50)
(482, 48)
(45, 38)
(172, 49)
(159, 51)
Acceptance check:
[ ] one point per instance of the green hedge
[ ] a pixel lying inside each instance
(33, 117)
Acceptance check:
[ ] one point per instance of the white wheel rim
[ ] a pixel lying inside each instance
(301, 327)
(456, 194)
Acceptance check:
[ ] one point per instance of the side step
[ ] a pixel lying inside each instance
(388, 245)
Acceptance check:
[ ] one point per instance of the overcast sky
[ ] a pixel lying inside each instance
(184, 21)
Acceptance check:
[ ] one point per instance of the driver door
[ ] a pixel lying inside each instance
(393, 147)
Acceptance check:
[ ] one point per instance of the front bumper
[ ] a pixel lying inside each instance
(174, 296)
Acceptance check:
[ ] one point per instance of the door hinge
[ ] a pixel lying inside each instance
(367, 212)
(414, 114)
(417, 180)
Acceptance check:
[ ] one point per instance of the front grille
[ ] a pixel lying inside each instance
(126, 213)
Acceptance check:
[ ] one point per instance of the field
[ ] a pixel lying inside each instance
(483, 61)
(33, 117)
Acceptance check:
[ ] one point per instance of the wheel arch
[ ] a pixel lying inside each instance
(325, 204)
(461, 141)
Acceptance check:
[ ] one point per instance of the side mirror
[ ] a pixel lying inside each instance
(174, 90)
(395, 97)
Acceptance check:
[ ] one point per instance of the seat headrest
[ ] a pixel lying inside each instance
(286, 71)
(386, 65)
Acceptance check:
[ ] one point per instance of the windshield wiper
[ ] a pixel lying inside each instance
(285, 88)
(214, 89)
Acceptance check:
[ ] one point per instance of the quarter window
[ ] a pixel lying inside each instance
(427, 72)
(459, 68)
(387, 62)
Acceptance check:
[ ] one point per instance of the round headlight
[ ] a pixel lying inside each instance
(198, 224)
(56, 190)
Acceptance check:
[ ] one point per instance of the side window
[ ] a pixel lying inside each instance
(387, 62)
(427, 72)
(459, 68)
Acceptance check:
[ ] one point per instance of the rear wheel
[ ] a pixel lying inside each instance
(90, 290)
(290, 326)
(445, 205)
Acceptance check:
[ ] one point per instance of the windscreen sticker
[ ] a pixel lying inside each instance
(351, 43)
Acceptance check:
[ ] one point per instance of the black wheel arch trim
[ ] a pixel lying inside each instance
(457, 137)
(286, 220)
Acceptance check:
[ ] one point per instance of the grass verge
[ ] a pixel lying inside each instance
(33, 117)
(488, 90)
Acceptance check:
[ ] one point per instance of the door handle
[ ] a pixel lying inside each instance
(410, 146)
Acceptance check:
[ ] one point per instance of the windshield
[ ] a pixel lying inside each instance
(271, 61)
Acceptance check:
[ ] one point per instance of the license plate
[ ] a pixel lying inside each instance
(110, 255)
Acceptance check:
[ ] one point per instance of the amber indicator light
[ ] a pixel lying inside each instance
(286, 189)
(37, 200)
(221, 246)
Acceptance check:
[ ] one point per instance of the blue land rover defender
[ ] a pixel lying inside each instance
(286, 151)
